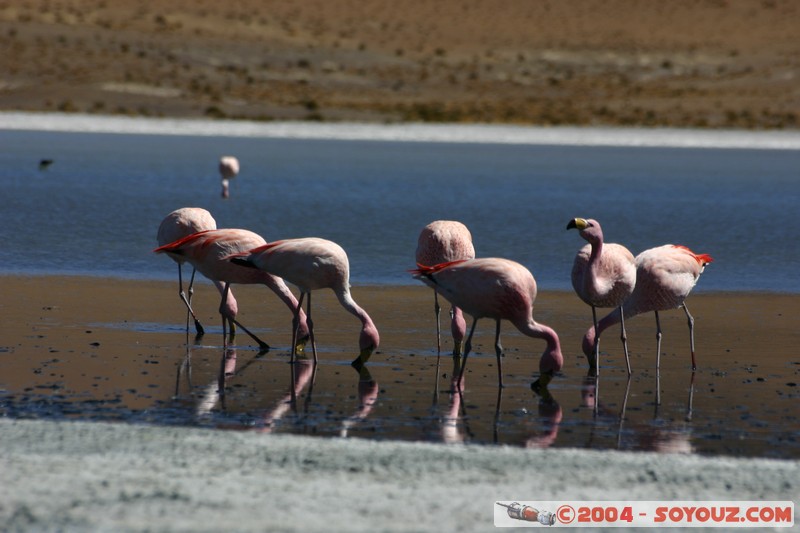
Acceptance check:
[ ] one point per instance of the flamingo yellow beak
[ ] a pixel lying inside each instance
(578, 223)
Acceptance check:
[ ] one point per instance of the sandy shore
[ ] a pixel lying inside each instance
(730, 64)
(63, 335)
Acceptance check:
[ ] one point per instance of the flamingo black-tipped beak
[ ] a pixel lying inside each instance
(540, 385)
(578, 223)
(362, 358)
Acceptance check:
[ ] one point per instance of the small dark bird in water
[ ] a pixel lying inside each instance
(44, 163)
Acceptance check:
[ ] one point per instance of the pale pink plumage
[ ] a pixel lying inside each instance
(176, 225)
(312, 264)
(603, 275)
(443, 241)
(499, 289)
(665, 276)
(207, 252)
(228, 169)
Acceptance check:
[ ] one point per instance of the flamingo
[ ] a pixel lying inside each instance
(443, 241)
(176, 225)
(498, 289)
(310, 264)
(228, 169)
(665, 276)
(207, 252)
(603, 275)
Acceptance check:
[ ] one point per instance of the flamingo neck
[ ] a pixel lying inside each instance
(369, 339)
(552, 360)
(591, 280)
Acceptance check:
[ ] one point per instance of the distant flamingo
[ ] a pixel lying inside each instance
(443, 241)
(603, 275)
(207, 252)
(176, 225)
(664, 278)
(498, 289)
(228, 169)
(311, 264)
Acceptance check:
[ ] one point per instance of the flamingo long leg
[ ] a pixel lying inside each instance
(263, 346)
(188, 302)
(596, 363)
(624, 338)
(311, 328)
(658, 341)
(691, 334)
(296, 324)
(437, 309)
(467, 349)
(498, 350)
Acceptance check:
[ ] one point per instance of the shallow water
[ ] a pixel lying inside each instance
(742, 400)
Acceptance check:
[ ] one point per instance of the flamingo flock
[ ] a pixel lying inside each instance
(604, 275)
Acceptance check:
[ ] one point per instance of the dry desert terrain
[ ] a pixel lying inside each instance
(683, 63)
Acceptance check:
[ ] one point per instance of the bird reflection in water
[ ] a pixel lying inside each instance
(367, 397)
(658, 435)
(303, 374)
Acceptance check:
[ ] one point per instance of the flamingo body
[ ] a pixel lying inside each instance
(228, 169)
(499, 289)
(208, 251)
(603, 275)
(665, 276)
(182, 223)
(443, 241)
(312, 264)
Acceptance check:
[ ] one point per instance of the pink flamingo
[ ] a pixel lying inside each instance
(228, 169)
(443, 241)
(603, 275)
(498, 289)
(176, 225)
(207, 252)
(665, 276)
(311, 264)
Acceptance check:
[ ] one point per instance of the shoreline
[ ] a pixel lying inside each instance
(481, 133)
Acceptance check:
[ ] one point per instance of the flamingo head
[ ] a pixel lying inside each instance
(551, 362)
(368, 342)
(589, 229)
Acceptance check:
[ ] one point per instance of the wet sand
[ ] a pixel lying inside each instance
(104, 370)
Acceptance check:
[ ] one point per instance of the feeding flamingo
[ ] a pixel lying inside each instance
(207, 252)
(498, 289)
(228, 169)
(603, 275)
(443, 241)
(311, 264)
(176, 225)
(665, 276)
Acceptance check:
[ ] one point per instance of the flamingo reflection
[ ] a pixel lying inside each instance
(452, 428)
(367, 397)
(658, 435)
(303, 373)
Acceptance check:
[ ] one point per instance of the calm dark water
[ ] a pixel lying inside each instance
(96, 209)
